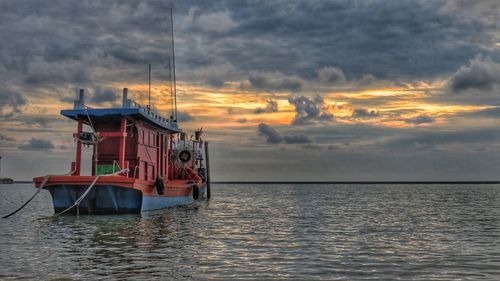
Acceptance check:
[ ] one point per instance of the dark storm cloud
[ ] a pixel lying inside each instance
(272, 82)
(410, 140)
(271, 106)
(309, 110)
(297, 139)
(273, 136)
(421, 119)
(275, 45)
(364, 113)
(331, 75)
(41, 72)
(388, 39)
(10, 102)
(103, 95)
(480, 74)
(37, 144)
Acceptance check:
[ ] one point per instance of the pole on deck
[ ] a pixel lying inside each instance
(121, 152)
(78, 160)
(208, 169)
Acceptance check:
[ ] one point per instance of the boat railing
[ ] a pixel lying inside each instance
(148, 111)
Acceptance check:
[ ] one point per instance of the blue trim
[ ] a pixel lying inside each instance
(151, 203)
(109, 112)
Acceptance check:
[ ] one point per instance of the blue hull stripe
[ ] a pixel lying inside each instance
(114, 199)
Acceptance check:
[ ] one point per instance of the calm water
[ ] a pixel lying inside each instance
(265, 232)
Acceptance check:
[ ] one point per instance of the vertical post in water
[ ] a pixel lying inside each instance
(0, 166)
(207, 159)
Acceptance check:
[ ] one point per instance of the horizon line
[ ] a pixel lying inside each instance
(341, 182)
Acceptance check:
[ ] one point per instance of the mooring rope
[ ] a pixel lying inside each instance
(45, 179)
(77, 202)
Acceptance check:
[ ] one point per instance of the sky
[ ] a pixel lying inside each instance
(285, 90)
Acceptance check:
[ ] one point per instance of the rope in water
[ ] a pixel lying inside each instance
(45, 179)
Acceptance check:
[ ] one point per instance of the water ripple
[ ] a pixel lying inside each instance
(330, 232)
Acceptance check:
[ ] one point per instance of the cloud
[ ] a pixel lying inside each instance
(104, 95)
(215, 75)
(479, 74)
(272, 82)
(297, 139)
(242, 120)
(478, 137)
(309, 110)
(37, 144)
(421, 119)
(311, 146)
(487, 113)
(271, 106)
(11, 102)
(42, 72)
(211, 22)
(331, 75)
(6, 138)
(184, 116)
(271, 135)
(364, 113)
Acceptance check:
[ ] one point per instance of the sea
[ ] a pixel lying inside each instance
(264, 232)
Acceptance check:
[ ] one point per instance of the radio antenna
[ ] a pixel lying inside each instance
(171, 88)
(149, 91)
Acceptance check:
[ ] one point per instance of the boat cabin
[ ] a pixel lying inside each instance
(133, 137)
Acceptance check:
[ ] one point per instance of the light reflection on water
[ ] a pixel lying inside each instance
(265, 231)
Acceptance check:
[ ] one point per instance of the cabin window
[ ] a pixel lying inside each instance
(141, 137)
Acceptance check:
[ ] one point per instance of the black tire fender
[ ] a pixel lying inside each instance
(159, 185)
(196, 192)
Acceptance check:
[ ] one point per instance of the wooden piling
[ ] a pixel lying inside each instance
(207, 160)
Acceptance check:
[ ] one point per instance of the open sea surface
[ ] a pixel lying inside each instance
(303, 232)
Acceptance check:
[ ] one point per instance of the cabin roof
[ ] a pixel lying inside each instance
(137, 112)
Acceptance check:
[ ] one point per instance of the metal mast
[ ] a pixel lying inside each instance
(149, 89)
(173, 62)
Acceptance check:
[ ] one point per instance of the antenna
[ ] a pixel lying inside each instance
(173, 61)
(171, 89)
(149, 91)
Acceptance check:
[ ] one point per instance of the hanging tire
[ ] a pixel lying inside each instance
(159, 185)
(196, 192)
(184, 156)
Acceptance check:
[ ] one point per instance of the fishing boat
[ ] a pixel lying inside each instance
(141, 161)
